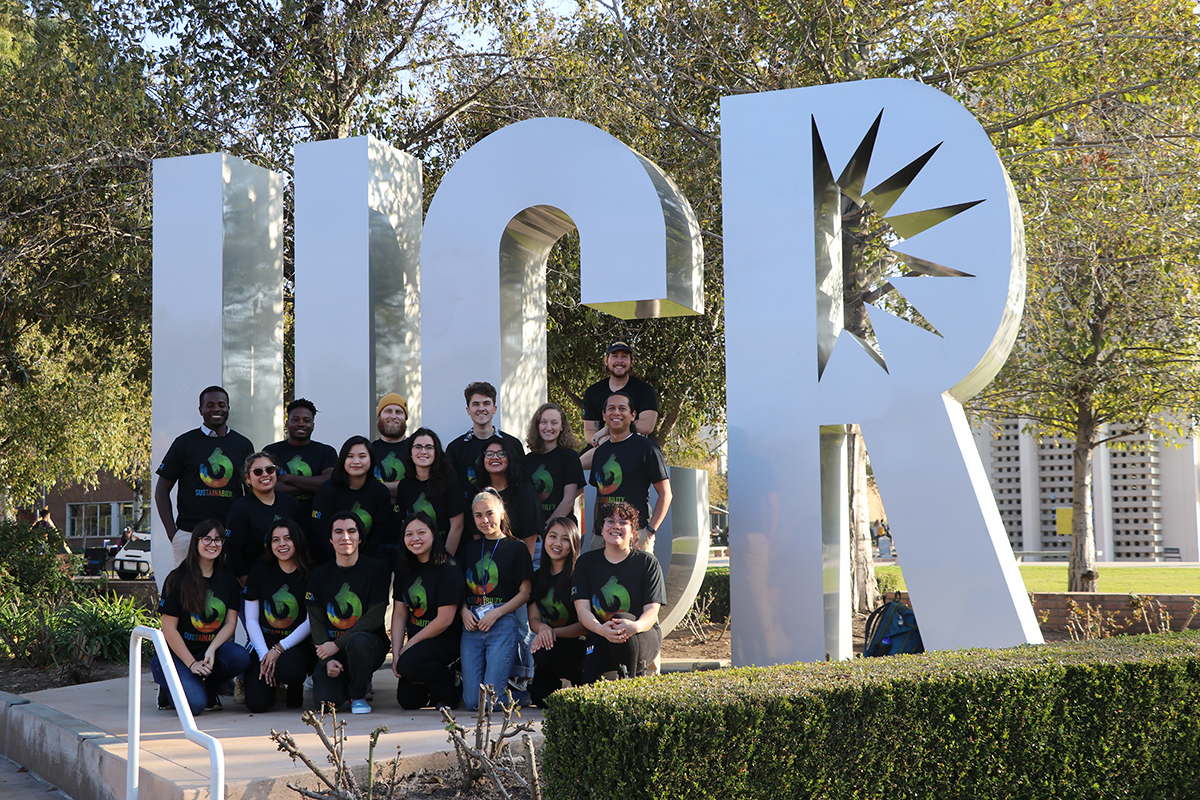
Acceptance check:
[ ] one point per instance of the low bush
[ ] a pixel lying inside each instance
(41, 632)
(716, 583)
(1098, 719)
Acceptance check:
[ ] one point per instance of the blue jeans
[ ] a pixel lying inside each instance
(488, 658)
(231, 660)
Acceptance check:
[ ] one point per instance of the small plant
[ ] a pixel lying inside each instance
(698, 620)
(888, 582)
(490, 755)
(1151, 612)
(1092, 623)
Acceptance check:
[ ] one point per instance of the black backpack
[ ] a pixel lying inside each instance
(891, 630)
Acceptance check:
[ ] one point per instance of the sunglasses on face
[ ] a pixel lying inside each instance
(258, 472)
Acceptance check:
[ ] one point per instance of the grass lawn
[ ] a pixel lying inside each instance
(1120, 580)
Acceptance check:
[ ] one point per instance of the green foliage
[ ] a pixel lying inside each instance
(1112, 718)
(29, 566)
(716, 583)
(42, 631)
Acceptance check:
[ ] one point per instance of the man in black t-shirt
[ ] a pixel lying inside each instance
(618, 363)
(624, 469)
(207, 464)
(466, 452)
(391, 419)
(303, 464)
(346, 599)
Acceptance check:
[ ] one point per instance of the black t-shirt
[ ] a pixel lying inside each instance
(557, 611)
(308, 461)
(550, 473)
(338, 596)
(494, 569)
(596, 397)
(372, 504)
(200, 626)
(413, 495)
(280, 594)
(466, 454)
(208, 474)
(389, 459)
(425, 590)
(611, 588)
(523, 509)
(249, 527)
(624, 471)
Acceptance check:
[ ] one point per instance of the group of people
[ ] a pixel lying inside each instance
(478, 545)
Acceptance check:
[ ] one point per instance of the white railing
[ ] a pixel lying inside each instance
(216, 755)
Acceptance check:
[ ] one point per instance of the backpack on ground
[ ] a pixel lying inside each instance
(891, 630)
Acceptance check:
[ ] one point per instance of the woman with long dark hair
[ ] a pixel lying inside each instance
(426, 592)
(199, 614)
(504, 471)
(253, 514)
(353, 487)
(277, 620)
(558, 643)
(430, 485)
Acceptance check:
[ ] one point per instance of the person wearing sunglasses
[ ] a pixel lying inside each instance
(199, 614)
(253, 515)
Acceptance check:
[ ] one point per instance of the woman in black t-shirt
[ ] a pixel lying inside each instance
(426, 593)
(552, 463)
(253, 514)
(504, 471)
(199, 614)
(558, 645)
(617, 593)
(431, 485)
(277, 620)
(353, 487)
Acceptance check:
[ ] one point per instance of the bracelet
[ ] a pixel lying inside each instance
(277, 648)
(195, 661)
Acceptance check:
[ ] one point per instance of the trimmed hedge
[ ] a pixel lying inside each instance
(1101, 719)
(716, 582)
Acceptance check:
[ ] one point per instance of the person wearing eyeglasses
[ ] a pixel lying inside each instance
(199, 614)
(347, 598)
(430, 486)
(504, 471)
(466, 450)
(253, 516)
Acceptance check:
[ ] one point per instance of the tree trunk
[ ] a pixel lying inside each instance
(864, 592)
(1082, 570)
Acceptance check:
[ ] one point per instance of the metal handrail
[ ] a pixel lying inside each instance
(216, 755)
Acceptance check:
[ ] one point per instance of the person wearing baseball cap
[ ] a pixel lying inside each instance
(618, 363)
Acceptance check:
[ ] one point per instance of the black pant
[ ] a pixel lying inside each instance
(603, 659)
(564, 660)
(361, 654)
(426, 677)
(291, 669)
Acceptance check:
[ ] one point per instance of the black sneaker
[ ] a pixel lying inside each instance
(165, 703)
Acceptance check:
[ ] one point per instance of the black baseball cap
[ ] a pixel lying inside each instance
(618, 345)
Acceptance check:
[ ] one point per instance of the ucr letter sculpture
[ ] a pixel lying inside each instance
(793, 162)
(382, 305)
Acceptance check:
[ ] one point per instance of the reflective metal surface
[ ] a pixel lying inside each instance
(358, 326)
(682, 546)
(495, 217)
(218, 301)
(780, 151)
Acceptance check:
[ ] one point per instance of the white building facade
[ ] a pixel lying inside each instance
(1145, 496)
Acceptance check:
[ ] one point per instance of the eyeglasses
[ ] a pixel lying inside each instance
(210, 541)
(495, 455)
(260, 471)
(424, 448)
(617, 522)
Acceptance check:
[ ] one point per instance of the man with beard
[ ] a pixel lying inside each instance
(303, 464)
(206, 462)
(618, 363)
(392, 422)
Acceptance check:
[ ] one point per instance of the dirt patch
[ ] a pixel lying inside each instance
(17, 679)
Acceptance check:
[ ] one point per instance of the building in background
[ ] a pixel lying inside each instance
(89, 516)
(1145, 495)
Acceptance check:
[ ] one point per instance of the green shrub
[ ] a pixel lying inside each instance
(716, 582)
(28, 568)
(41, 632)
(1100, 719)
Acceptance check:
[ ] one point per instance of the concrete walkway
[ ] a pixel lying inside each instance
(17, 783)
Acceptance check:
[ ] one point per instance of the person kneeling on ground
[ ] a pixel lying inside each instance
(277, 620)
(199, 615)
(558, 646)
(346, 599)
(617, 593)
(426, 594)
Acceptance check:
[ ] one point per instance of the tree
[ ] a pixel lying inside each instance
(78, 133)
(1091, 105)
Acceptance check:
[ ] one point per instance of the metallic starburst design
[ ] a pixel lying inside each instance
(834, 201)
